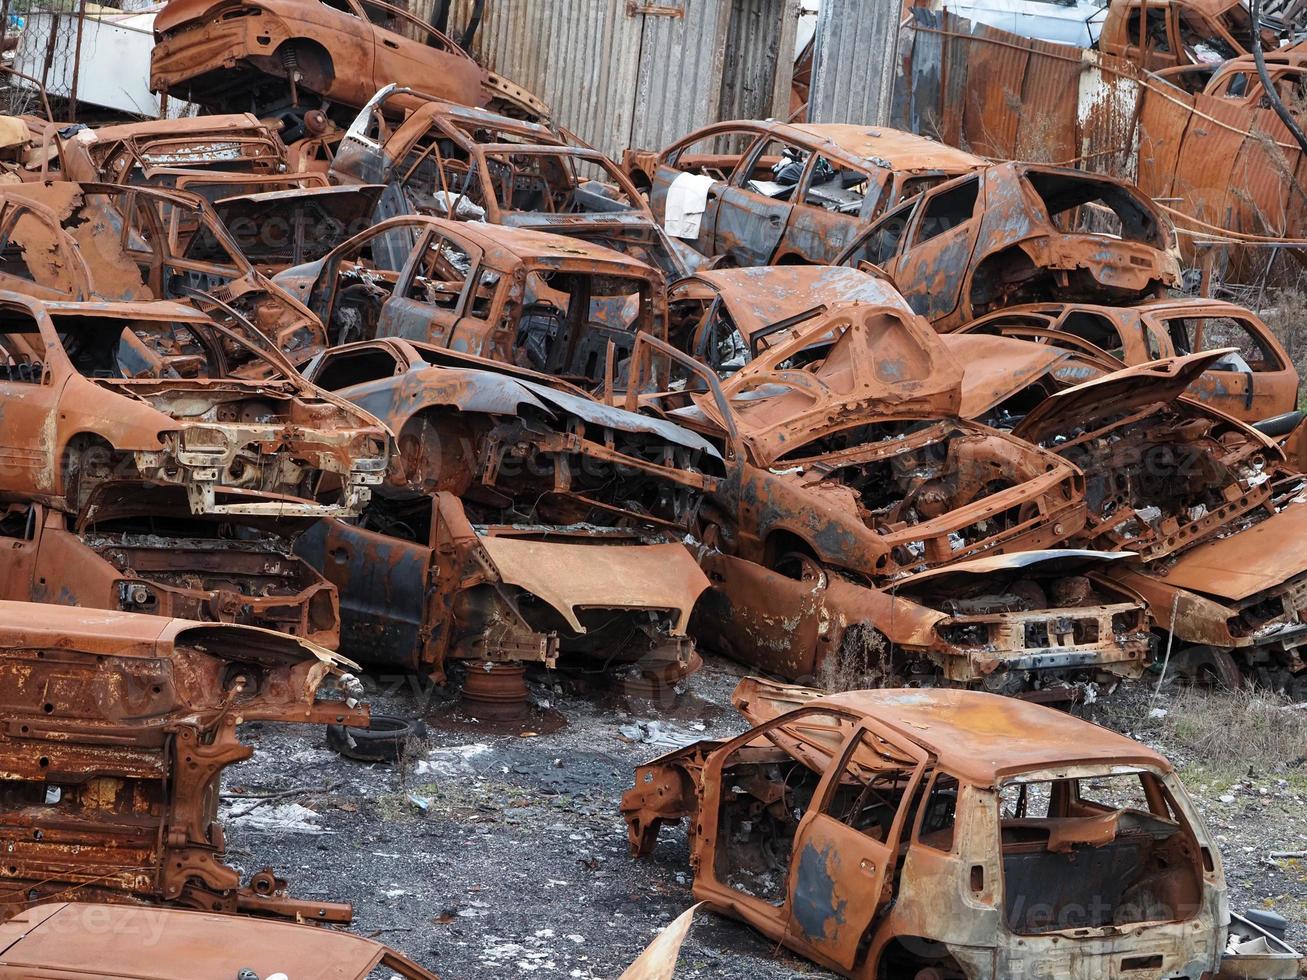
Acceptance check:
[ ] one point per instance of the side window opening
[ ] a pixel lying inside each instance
(1191, 335)
(1098, 330)
(22, 348)
(940, 814)
(881, 244)
(1155, 33)
(442, 274)
(1084, 205)
(359, 367)
(838, 188)
(568, 319)
(713, 156)
(776, 169)
(1204, 39)
(869, 793)
(948, 209)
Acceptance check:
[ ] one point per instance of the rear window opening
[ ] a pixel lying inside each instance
(1097, 851)
(1085, 205)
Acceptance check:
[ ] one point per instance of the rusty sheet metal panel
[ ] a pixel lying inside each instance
(581, 58)
(758, 67)
(854, 62)
(1165, 114)
(1008, 97)
(682, 60)
(1205, 165)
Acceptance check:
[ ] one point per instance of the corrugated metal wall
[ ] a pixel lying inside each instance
(854, 65)
(622, 73)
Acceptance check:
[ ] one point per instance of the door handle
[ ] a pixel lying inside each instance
(390, 44)
(867, 865)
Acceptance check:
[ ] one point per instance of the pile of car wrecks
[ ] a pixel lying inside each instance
(385, 370)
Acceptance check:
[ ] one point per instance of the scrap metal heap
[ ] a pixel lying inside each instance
(117, 729)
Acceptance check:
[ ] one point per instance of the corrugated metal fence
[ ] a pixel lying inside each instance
(1217, 166)
(622, 73)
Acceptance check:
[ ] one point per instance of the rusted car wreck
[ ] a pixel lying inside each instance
(860, 519)
(458, 162)
(499, 538)
(118, 727)
(946, 834)
(137, 392)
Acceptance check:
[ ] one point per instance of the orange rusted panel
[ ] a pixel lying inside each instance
(110, 941)
(293, 57)
(117, 730)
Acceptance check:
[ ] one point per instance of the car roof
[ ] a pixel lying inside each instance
(158, 309)
(165, 944)
(239, 123)
(530, 245)
(984, 737)
(901, 150)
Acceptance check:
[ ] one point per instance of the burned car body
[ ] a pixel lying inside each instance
(292, 58)
(947, 834)
(1206, 501)
(524, 297)
(843, 442)
(499, 536)
(1157, 34)
(118, 729)
(1019, 233)
(103, 241)
(139, 549)
(769, 193)
(455, 161)
(951, 581)
(107, 942)
(1254, 382)
(138, 392)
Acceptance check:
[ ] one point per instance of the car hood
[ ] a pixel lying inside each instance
(1252, 560)
(996, 368)
(878, 363)
(1049, 561)
(1121, 391)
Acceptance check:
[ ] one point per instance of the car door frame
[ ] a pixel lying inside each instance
(665, 174)
(757, 912)
(754, 209)
(927, 286)
(33, 416)
(399, 309)
(877, 863)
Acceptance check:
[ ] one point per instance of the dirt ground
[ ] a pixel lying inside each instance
(505, 855)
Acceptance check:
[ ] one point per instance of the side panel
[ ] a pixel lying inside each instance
(382, 584)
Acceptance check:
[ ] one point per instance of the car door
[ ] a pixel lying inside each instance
(431, 293)
(933, 261)
(1253, 382)
(846, 850)
(714, 154)
(33, 373)
(831, 205)
(754, 212)
(21, 527)
(382, 582)
(805, 742)
(405, 48)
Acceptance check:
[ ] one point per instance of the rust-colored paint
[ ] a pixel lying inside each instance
(1258, 381)
(517, 295)
(500, 534)
(459, 162)
(1017, 233)
(118, 727)
(841, 177)
(885, 833)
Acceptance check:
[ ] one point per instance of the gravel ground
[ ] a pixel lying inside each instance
(505, 854)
